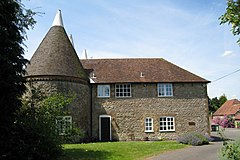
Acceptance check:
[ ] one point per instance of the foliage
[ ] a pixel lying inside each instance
(225, 122)
(75, 136)
(230, 151)
(222, 135)
(216, 103)
(118, 150)
(222, 100)
(232, 16)
(194, 139)
(14, 21)
(237, 124)
(34, 132)
(35, 138)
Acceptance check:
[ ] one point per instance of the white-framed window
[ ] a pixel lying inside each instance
(166, 124)
(148, 124)
(123, 90)
(165, 90)
(103, 90)
(63, 124)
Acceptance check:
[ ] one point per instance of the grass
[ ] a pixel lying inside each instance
(118, 150)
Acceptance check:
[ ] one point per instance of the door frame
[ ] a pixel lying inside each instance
(100, 127)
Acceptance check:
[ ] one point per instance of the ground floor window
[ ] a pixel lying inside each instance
(63, 124)
(148, 124)
(167, 124)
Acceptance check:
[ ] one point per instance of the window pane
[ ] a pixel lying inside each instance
(167, 124)
(123, 90)
(103, 91)
(148, 125)
(165, 89)
(63, 124)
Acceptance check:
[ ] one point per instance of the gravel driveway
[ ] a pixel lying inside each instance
(205, 152)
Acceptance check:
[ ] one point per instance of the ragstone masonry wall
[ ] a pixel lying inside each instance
(79, 108)
(189, 106)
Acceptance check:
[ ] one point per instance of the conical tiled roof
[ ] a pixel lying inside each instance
(56, 56)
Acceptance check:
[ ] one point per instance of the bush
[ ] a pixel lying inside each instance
(225, 122)
(35, 140)
(230, 151)
(75, 136)
(33, 135)
(194, 139)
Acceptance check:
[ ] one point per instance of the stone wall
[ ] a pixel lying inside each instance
(189, 106)
(79, 108)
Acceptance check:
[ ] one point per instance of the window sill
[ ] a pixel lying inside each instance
(103, 97)
(149, 131)
(123, 97)
(166, 131)
(165, 96)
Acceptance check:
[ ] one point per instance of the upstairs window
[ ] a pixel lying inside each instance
(167, 124)
(148, 124)
(165, 90)
(63, 125)
(103, 91)
(123, 90)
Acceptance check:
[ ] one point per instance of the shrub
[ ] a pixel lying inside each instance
(194, 139)
(32, 139)
(75, 136)
(34, 135)
(230, 151)
(225, 122)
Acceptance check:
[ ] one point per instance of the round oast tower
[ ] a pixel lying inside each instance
(55, 67)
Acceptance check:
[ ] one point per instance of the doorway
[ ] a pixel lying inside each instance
(105, 133)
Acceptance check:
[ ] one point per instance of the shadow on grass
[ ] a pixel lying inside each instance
(81, 154)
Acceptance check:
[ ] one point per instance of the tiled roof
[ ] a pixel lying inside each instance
(230, 107)
(56, 56)
(137, 70)
(237, 116)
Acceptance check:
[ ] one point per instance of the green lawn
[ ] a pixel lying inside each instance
(118, 150)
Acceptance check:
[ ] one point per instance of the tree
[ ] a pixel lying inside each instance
(14, 21)
(232, 16)
(35, 128)
(216, 103)
(222, 100)
(37, 135)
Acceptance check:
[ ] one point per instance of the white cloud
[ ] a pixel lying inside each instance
(227, 54)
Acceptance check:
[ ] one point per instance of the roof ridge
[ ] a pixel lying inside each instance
(121, 58)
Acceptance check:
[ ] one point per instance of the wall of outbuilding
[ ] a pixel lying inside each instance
(189, 106)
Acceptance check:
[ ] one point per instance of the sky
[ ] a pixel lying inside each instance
(184, 32)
